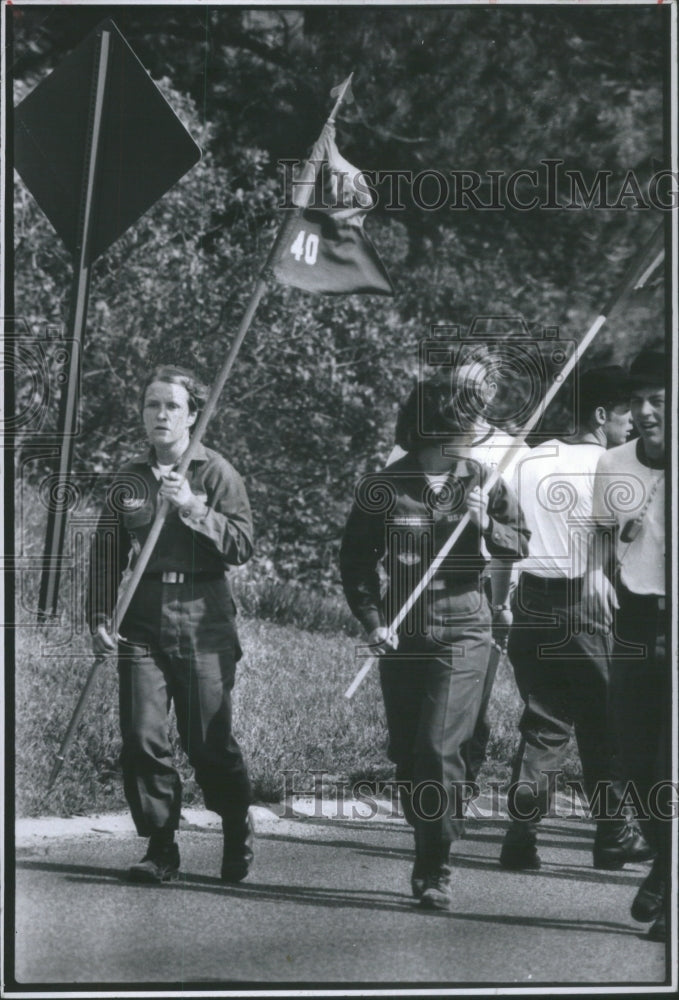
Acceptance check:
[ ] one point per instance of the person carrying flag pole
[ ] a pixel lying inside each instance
(433, 670)
(478, 369)
(178, 638)
(280, 266)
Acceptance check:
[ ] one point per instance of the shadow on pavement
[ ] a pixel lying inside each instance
(317, 896)
(578, 829)
(566, 871)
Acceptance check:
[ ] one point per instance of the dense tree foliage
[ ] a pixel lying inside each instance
(312, 399)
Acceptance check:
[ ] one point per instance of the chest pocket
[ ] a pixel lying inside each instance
(409, 543)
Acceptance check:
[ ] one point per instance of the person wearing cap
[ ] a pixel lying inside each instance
(178, 640)
(432, 671)
(629, 508)
(561, 669)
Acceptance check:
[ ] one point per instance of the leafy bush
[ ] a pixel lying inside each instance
(311, 402)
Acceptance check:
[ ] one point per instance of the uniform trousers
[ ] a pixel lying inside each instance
(562, 673)
(475, 748)
(179, 644)
(641, 702)
(432, 688)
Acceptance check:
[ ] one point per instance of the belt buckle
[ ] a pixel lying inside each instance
(170, 576)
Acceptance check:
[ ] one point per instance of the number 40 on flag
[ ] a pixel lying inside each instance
(327, 249)
(305, 247)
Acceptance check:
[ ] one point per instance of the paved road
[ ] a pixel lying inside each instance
(327, 902)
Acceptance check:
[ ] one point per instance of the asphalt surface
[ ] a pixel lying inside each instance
(327, 902)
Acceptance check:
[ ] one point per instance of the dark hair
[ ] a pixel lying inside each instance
(607, 386)
(648, 369)
(176, 375)
(431, 412)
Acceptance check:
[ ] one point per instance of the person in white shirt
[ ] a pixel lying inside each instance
(629, 507)
(561, 669)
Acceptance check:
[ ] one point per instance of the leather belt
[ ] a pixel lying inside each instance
(173, 576)
(453, 588)
(551, 584)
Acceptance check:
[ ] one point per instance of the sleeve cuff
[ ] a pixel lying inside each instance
(371, 619)
(195, 513)
(100, 619)
(502, 541)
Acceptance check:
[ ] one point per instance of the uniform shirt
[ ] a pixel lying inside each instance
(398, 516)
(555, 485)
(207, 543)
(625, 479)
(489, 448)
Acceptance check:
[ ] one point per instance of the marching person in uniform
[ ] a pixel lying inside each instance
(560, 665)
(477, 371)
(433, 671)
(178, 640)
(629, 500)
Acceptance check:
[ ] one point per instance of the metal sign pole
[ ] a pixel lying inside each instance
(68, 409)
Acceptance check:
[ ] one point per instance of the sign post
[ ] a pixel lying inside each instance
(96, 144)
(68, 404)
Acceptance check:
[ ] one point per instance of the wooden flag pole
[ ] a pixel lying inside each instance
(68, 408)
(131, 584)
(634, 277)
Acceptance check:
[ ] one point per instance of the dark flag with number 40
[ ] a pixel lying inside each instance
(324, 247)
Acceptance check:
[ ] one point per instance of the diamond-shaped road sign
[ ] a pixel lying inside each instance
(144, 147)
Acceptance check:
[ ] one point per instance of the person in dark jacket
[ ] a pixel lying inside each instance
(178, 640)
(432, 670)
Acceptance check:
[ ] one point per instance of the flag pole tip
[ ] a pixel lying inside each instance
(343, 89)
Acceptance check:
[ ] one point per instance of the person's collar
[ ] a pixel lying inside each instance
(148, 456)
(650, 463)
(484, 432)
(589, 437)
(460, 467)
(484, 438)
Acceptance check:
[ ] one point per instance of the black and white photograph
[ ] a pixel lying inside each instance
(340, 362)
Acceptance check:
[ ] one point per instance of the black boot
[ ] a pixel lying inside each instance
(419, 873)
(438, 892)
(239, 836)
(617, 842)
(658, 931)
(519, 848)
(649, 900)
(161, 861)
